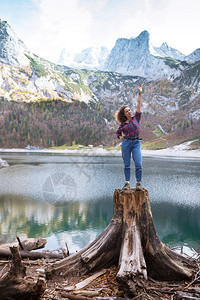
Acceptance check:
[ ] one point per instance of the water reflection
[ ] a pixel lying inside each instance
(69, 198)
(76, 223)
(177, 225)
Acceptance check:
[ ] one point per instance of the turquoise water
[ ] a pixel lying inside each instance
(68, 199)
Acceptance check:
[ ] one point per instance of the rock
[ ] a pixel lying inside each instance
(3, 163)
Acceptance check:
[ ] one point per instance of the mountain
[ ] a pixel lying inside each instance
(27, 77)
(193, 57)
(166, 51)
(91, 58)
(134, 57)
(138, 57)
(12, 49)
(61, 104)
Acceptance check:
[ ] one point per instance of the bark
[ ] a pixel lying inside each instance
(13, 283)
(28, 244)
(131, 241)
(101, 253)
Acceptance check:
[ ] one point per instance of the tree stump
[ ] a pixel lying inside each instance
(130, 240)
(15, 285)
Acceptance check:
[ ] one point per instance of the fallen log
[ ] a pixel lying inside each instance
(28, 244)
(13, 283)
(32, 243)
(130, 240)
(6, 253)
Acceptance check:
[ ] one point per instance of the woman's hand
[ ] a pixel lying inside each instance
(140, 88)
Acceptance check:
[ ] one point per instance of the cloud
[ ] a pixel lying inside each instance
(59, 24)
(181, 25)
(47, 26)
(112, 19)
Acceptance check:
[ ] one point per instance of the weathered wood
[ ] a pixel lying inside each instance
(20, 243)
(28, 244)
(25, 249)
(33, 244)
(131, 241)
(74, 297)
(13, 283)
(17, 271)
(88, 280)
(33, 255)
(91, 293)
(6, 253)
(101, 253)
(186, 296)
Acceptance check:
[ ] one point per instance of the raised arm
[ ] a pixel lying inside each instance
(138, 108)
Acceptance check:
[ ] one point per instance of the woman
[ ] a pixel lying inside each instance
(129, 133)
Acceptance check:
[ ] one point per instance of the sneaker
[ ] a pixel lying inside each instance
(126, 186)
(138, 186)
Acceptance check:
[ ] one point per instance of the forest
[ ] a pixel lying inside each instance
(52, 123)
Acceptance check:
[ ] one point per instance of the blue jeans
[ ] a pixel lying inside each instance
(133, 147)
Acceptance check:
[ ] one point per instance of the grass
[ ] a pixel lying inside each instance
(113, 148)
(39, 69)
(73, 147)
(77, 147)
(158, 132)
(157, 144)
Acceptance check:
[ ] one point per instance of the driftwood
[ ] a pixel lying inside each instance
(25, 248)
(130, 240)
(78, 288)
(90, 293)
(74, 297)
(28, 244)
(15, 285)
(88, 280)
(6, 253)
(77, 297)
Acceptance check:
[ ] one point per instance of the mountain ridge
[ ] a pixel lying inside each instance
(169, 102)
(136, 57)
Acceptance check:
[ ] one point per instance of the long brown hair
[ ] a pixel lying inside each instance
(120, 114)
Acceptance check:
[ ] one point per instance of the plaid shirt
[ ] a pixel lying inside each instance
(131, 129)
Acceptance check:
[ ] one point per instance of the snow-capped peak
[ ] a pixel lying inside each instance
(91, 58)
(166, 51)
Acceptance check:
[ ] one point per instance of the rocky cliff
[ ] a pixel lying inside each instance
(12, 49)
(138, 57)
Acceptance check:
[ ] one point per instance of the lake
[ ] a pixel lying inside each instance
(69, 199)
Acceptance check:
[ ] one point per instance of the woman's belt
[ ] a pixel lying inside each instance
(132, 138)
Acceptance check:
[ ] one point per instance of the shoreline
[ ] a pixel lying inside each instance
(174, 152)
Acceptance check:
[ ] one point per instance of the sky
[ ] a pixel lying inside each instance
(48, 26)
